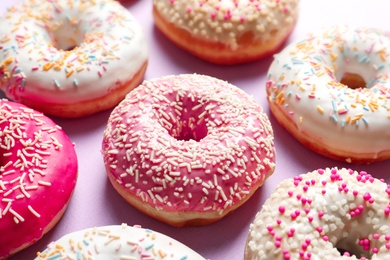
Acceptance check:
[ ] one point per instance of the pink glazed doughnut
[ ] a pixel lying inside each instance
(324, 214)
(188, 149)
(70, 58)
(37, 176)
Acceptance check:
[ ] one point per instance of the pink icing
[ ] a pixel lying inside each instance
(189, 143)
(37, 175)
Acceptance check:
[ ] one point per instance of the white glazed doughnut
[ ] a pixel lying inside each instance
(188, 149)
(309, 93)
(70, 58)
(314, 215)
(227, 32)
(117, 242)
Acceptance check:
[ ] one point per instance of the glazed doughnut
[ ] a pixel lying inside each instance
(309, 96)
(227, 32)
(324, 214)
(117, 242)
(70, 58)
(188, 149)
(38, 174)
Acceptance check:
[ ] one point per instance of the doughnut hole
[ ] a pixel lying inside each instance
(66, 34)
(190, 124)
(348, 247)
(353, 80)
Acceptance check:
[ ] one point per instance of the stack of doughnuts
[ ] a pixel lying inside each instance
(70, 59)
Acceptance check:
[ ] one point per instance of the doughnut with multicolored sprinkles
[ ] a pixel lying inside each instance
(331, 91)
(70, 58)
(117, 242)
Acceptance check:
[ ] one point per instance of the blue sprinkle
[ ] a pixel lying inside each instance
(149, 246)
(55, 256)
(75, 82)
(380, 67)
(334, 106)
(365, 120)
(184, 257)
(334, 118)
(85, 242)
(366, 108)
(57, 83)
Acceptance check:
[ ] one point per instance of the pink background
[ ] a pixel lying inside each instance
(96, 203)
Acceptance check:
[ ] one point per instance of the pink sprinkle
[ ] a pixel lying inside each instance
(282, 209)
(325, 238)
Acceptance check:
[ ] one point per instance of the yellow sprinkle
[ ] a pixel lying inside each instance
(300, 119)
(320, 109)
(333, 56)
(69, 73)
(6, 39)
(48, 66)
(8, 61)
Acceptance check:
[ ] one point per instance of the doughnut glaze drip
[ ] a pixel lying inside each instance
(117, 242)
(226, 21)
(66, 51)
(307, 97)
(37, 175)
(318, 214)
(188, 145)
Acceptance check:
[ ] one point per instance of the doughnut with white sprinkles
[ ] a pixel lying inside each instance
(38, 174)
(325, 214)
(70, 58)
(188, 149)
(120, 242)
(228, 31)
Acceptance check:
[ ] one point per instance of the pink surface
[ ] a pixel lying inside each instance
(96, 203)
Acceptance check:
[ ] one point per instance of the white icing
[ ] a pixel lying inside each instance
(111, 49)
(304, 80)
(225, 21)
(117, 242)
(311, 215)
